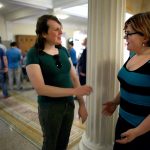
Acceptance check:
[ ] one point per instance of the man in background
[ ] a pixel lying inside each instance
(3, 47)
(14, 66)
(82, 64)
(3, 73)
(72, 53)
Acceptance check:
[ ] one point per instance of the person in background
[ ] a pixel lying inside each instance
(54, 78)
(2, 46)
(14, 65)
(82, 64)
(23, 65)
(133, 125)
(3, 72)
(72, 53)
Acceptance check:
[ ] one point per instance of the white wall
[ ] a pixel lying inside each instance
(29, 29)
(9, 29)
(3, 33)
(23, 29)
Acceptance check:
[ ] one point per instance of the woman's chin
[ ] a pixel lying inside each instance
(59, 43)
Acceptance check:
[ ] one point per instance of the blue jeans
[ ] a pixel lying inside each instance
(14, 74)
(3, 83)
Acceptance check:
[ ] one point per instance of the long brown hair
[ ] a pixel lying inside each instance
(42, 27)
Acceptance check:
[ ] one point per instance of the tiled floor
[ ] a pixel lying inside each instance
(11, 139)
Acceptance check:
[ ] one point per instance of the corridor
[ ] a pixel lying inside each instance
(19, 126)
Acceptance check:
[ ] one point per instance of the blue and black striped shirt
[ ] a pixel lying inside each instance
(134, 93)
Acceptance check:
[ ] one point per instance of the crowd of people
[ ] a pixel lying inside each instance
(12, 68)
(51, 69)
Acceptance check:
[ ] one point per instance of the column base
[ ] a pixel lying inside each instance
(86, 144)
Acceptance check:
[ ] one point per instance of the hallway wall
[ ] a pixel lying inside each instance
(3, 28)
(9, 29)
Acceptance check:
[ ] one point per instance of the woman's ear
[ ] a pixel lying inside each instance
(145, 41)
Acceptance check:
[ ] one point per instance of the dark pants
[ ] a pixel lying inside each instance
(82, 80)
(3, 83)
(56, 121)
(75, 65)
(140, 143)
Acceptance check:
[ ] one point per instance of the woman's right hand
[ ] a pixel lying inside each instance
(108, 108)
(83, 90)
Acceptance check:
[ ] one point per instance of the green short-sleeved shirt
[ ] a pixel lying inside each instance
(52, 75)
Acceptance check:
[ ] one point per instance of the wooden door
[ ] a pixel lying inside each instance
(25, 42)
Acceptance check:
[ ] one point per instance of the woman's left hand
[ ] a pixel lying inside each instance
(127, 136)
(82, 112)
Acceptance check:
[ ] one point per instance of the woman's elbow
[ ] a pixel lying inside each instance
(39, 90)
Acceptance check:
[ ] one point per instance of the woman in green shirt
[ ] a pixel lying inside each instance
(54, 78)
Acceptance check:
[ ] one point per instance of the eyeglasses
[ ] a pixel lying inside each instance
(132, 33)
(58, 62)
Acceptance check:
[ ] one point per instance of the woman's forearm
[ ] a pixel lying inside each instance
(76, 83)
(116, 100)
(144, 126)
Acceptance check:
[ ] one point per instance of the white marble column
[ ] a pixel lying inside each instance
(104, 58)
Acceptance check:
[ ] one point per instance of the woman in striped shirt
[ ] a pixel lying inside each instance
(133, 125)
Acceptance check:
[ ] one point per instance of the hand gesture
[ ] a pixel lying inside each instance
(108, 108)
(127, 136)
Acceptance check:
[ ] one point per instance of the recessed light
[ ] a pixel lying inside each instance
(1, 5)
(62, 16)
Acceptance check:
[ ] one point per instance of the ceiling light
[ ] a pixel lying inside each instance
(1, 5)
(81, 11)
(62, 16)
